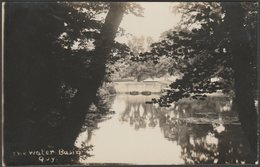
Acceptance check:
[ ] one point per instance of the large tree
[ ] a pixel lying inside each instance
(214, 48)
(55, 60)
(92, 79)
(244, 57)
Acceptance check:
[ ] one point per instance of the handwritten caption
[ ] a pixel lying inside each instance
(44, 155)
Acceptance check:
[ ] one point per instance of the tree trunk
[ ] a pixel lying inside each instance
(92, 80)
(31, 80)
(244, 91)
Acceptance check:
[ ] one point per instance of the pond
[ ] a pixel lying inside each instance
(187, 132)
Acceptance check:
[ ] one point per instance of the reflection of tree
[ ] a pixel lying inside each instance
(207, 146)
(138, 113)
(97, 113)
(234, 146)
(196, 149)
(207, 131)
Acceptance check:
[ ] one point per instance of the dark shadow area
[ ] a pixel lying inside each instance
(48, 86)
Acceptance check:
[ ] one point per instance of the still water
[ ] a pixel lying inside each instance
(188, 132)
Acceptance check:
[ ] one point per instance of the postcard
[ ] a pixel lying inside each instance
(130, 83)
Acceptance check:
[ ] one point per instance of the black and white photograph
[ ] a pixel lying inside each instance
(130, 83)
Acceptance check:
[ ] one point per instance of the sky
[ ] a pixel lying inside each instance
(158, 17)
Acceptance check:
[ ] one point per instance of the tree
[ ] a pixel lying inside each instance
(243, 57)
(92, 79)
(133, 65)
(215, 49)
(49, 80)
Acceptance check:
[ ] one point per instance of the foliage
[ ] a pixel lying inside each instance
(201, 51)
(131, 66)
(50, 48)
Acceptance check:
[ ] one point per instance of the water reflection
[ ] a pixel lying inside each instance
(188, 132)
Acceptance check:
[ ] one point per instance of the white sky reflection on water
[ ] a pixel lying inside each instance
(118, 142)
